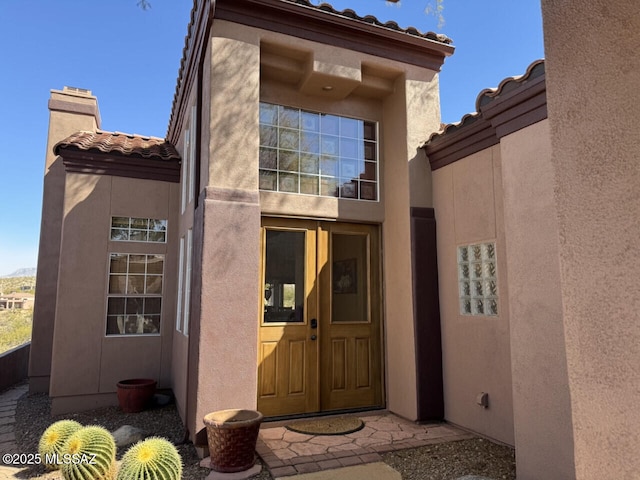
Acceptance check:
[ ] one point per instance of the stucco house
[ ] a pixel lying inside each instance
(307, 239)
(12, 301)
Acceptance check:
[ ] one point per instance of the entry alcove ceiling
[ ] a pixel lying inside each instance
(297, 68)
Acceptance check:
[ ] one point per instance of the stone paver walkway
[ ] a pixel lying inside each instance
(289, 453)
(8, 403)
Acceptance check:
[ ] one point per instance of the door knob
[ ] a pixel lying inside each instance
(314, 337)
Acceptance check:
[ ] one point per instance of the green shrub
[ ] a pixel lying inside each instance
(15, 328)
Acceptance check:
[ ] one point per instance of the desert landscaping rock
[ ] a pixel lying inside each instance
(161, 400)
(127, 435)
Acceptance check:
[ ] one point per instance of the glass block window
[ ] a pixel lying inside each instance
(314, 153)
(135, 294)
(128, 229)
(478, 280)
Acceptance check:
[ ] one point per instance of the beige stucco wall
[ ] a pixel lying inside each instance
(191, 369)
(229, 299)
(68, 114)
(421, 119)
(410, 113)
(542, 410)
(593, 70)
(86, 363)
(400, 359)
(223, 347)
(180, 344)
(467, 197)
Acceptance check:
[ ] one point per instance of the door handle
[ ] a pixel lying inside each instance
(314, 337)
(314, 323)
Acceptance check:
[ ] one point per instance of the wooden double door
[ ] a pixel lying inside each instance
(320, 335)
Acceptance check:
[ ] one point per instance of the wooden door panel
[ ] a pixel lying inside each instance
(338, 364)
(285, 384)
(342, 367)
(297, 370)
(362, 362)
(350, 339)
(288, 359)
(354, 352)
(268, 370)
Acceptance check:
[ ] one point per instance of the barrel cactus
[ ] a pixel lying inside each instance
(89, 454)
(53, 439)
(152, 459)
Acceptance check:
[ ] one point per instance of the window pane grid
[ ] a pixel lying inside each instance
(131, 229)
(135, 294)
(312, 153)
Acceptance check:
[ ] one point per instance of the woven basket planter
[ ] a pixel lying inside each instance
(232, 437)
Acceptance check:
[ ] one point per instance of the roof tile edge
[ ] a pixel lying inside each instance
(487, 95)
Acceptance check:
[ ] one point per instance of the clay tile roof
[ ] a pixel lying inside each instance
(534, 70)
(488, 95)
(348, 13)
(152, 148)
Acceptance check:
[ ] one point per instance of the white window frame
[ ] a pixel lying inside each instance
(344, 179)
(192, 153)
(188, 160)
(187, 283)
(127, 295)
(180, 283)
(130, 228)
(186, 151)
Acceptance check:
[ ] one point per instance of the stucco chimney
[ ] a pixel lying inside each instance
(70, 110)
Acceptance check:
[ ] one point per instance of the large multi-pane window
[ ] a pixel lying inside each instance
(135, 294)
(130, 229)
(314, 153)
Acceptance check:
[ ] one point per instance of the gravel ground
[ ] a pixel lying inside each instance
(452, 460)
(445, 461)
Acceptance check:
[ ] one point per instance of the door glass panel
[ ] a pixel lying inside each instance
(350, 278)
(284, 276)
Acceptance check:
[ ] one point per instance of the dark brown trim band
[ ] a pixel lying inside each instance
(120, 166)
(501, 113)
(331, 29)
(469, 138)
(426, 314)
(518, 109)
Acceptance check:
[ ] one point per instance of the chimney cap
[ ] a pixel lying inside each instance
(79, 91)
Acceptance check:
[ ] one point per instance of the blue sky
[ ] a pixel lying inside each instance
(129, 59)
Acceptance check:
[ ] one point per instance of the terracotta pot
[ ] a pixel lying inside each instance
(232, 437)
(135, 394)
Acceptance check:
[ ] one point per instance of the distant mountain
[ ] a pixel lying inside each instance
(21, 272)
